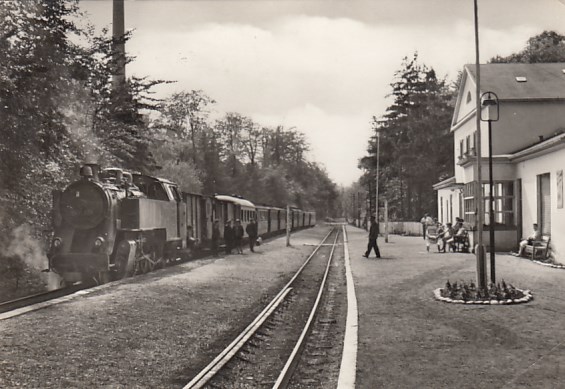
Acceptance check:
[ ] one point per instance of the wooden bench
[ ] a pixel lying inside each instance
(539, 249)
(461, 242)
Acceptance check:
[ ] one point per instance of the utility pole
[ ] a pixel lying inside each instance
(358, 210)
(288, 225)
(386, 221)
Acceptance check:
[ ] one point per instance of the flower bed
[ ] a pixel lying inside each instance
(467, 293)
(549, 264)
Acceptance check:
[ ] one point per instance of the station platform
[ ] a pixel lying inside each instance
(407, 339)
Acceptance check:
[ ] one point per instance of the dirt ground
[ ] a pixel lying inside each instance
(151, 331)
(409, 340)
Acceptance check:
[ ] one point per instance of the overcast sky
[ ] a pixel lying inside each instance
(323, 67)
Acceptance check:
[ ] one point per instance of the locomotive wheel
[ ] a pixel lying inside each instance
(121, 262)
(103, 277)
(145, 262)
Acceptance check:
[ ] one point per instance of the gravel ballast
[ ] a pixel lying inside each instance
(151, 331)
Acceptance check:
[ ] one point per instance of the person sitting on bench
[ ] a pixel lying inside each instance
(447, 237)
(536, 235)
(461, 233)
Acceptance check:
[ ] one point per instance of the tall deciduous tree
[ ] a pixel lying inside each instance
(37, 74)
(185, 114)
(231, 128)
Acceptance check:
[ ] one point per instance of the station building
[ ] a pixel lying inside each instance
(528, 149)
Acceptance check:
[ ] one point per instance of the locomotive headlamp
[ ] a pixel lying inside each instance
(57, 242)
(98, 242)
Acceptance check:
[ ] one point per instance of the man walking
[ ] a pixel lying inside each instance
(251, 230)
(373, 233)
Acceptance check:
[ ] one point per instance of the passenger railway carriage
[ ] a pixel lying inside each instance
(112, 223)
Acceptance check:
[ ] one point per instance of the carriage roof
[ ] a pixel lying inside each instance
(235, 200)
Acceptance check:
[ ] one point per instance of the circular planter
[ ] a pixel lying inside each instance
(527, 297)
(548, 264)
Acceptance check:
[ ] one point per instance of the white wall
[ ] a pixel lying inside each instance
(448, 196)
(528, 172)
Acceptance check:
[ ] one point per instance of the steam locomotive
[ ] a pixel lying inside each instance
(113, 223)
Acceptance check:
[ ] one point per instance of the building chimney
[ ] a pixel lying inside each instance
(119, 46)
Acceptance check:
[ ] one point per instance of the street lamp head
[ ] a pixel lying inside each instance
(489, 100)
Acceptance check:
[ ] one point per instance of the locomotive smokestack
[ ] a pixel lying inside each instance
(119, 46)
(93, 168)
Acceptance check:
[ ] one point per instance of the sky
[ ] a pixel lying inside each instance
(322, 67)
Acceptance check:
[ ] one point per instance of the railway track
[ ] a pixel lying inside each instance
(23, 302)
(269, 352)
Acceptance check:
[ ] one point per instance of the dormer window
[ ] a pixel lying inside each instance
(521, 79)
(468, 97)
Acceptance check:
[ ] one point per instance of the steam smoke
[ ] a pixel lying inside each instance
(22, 245)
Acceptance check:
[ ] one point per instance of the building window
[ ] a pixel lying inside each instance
(469, 98)
(461, 149)
(503, 203)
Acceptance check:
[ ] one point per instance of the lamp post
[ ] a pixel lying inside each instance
(489, 100)
(377, 179)
(480, 248)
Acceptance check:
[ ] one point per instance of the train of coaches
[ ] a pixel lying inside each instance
(112, 223)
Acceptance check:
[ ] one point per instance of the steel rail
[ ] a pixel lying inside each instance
(224, 357)
(291, 363)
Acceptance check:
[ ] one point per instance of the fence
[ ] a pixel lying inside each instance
(398, 228)
(402, 228)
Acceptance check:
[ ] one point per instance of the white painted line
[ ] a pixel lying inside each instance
(348, 366)
(58, 300)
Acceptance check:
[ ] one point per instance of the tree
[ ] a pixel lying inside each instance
(251, 143)
(549, 46)
(230, 129)
(414, 139)
(186, 114)
(36, 77)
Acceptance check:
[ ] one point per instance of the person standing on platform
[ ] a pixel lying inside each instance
(373, 234)
(228, 236)
(238, 236)
(251, 230)
(426, 222)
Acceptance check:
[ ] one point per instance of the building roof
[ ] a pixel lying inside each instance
(448, 183)
(538, 80)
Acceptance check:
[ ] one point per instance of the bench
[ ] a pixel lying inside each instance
(539, 249)
(461, 242)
